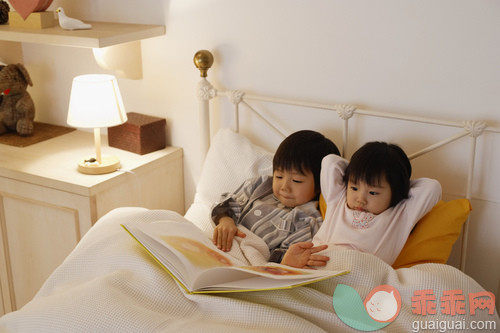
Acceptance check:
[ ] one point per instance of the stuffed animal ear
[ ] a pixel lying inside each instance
(24, 73)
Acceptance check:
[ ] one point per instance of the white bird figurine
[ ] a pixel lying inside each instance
(69, 23)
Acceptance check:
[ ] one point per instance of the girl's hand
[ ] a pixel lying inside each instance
(301, 255)
(224, 233)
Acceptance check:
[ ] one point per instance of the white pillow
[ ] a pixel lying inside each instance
(231, 159)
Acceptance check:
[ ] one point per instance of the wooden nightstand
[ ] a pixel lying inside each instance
(46, 205)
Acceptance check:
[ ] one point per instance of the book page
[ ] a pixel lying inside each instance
(270, 276)
(180, 247)
(282, 272)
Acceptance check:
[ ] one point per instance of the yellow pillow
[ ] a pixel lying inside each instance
(432, 239)
(434, 235)
(322, 205)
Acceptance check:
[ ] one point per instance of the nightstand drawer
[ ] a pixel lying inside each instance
(39, 228)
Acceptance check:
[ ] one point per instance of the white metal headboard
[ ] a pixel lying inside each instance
(473, 129)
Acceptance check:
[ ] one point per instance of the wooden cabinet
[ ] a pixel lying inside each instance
(46, 205)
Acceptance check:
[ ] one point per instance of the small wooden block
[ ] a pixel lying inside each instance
(141, 134)
(37, 20)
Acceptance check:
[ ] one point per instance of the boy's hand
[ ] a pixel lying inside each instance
(224, 233)
(301, 255)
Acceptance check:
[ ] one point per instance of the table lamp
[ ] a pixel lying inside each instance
(96, 102)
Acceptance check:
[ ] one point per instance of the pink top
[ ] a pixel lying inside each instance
(383, 235)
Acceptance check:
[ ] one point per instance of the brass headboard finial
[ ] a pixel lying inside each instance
(203, 60)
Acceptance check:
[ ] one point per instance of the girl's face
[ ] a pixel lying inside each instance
(372, 199)
(293, 188)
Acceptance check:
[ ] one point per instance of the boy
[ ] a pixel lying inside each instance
(282, 208)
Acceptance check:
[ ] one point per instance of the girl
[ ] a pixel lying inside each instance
(372, 205)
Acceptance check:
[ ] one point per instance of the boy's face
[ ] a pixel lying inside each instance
(292, 188)
(372, 199)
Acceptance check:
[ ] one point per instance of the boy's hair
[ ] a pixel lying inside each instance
(375, 160)
(303, 151)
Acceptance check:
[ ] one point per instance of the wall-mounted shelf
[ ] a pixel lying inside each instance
(106, 38)
(102, 34)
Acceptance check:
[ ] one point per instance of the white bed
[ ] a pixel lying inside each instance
(110, 284)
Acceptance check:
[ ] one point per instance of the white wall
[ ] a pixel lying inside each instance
(436, 58)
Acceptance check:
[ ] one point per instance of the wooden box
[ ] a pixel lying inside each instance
(141, 134)
(37, 20)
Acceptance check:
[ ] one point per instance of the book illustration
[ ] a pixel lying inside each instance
(197, 253)
(274, 270)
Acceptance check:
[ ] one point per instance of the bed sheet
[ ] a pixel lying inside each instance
(110, 284)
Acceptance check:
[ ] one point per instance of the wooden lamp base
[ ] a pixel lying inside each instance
(90, 166)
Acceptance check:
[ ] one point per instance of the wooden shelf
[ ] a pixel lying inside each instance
(102, 34)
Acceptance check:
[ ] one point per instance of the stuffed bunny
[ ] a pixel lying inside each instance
(17, 109)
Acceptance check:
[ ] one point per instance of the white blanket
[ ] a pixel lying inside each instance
(110, 284)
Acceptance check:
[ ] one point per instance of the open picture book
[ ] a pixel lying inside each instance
(199, 266)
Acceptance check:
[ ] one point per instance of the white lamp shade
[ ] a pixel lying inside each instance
(95, 102)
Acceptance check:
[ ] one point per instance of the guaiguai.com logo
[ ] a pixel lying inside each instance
(379, 309)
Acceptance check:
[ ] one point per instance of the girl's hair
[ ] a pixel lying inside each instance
(303, 151)
(375, 160)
